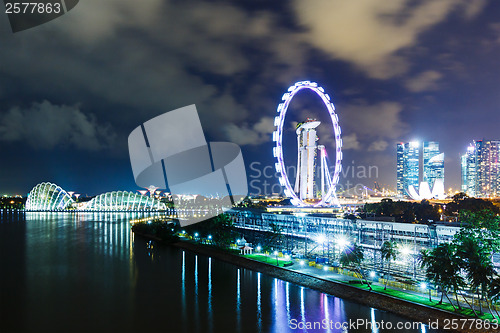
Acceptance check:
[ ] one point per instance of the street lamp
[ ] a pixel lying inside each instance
(342, 243)
(424, 286)
(276, 254)
(321, 239)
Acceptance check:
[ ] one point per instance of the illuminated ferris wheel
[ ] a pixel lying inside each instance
(329, 197)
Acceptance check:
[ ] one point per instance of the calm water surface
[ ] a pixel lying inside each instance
(85, 272)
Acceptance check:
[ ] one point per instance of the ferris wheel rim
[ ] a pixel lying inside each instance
(278, 138)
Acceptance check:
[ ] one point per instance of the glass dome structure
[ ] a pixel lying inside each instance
(48, 197)
(123, 201)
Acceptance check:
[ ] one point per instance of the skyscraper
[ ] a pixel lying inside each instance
(482, 169)
(468, 162)
(400, 155)
(463, 168)
(433, 163)
(408, 169)
(407, 166)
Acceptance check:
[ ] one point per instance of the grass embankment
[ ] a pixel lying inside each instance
(269, 259)
(424, 300)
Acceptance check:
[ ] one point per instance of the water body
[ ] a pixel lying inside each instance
(85, 272)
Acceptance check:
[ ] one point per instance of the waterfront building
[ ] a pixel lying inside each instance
(50, 197)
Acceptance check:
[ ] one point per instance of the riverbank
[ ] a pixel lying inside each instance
(447, 321)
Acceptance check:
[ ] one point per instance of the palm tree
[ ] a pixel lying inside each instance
(388, 253)
(353, 256)
(476, 261)
(494, 291)
(442, 268)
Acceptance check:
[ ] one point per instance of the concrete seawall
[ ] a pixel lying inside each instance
(407, 309)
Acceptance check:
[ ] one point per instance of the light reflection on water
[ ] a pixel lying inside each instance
(86, 272)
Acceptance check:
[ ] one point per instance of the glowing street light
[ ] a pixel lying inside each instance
(342, 242)
(405, 250)
(424, 286)
(321, 239)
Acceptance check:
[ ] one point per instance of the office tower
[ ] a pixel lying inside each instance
(468, 162)
(487, 173)
(412, 161)
(407, 167)
(433, 163)
(400, 153)
(463, 168)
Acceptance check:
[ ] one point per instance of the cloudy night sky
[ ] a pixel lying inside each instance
(72, 90)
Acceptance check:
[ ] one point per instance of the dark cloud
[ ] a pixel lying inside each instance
(369, 34)
(45, 125)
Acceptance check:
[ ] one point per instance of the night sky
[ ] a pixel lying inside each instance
(73, 89)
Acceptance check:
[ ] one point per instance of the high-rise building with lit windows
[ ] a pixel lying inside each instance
(481, 169)
(407, 166)
(433, 163)
(400, 157)
(408, 170)
(468, 163)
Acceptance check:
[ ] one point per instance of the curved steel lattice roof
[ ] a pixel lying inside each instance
(48, 196)
(123, 201)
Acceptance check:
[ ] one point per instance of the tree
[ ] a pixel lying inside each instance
(352, 256)
(275, 238)
(424, 212)
(494, 291)
(463, 203)
(222, 233)
(476, 261)
(219, 227)
(388, 252)
(442, 269)
(475, 242)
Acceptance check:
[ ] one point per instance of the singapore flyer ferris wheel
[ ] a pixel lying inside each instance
(303, 193)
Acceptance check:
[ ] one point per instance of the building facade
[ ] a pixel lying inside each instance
(468, 163)
(481, 169)
(400, 155)
(433, 163)
(408, 169)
